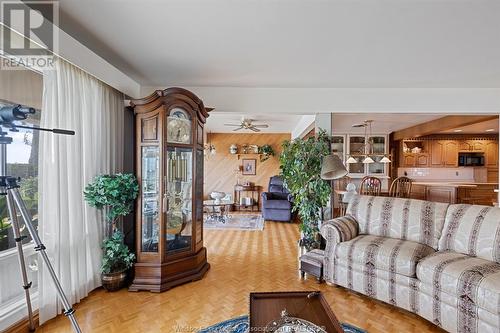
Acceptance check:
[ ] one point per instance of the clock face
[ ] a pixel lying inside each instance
(178, 127)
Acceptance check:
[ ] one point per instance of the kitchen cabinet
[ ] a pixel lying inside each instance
(418, 192)
(411, 160)
(437, 153)
(444, 153)
(422, 160)
(491, 154)
(451, 153)
(472, 145)
(447, 194)
(483, 194)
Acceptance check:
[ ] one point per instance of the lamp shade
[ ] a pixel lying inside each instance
(351, 160)
(368, 159)
(385, 159)
(332, 168)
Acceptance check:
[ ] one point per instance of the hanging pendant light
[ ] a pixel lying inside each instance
(385, 159)
(368, 160)
(351, 160)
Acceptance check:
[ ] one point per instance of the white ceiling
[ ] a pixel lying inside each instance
(294, 43)
(382, 123)
(478, 128)
(278, 123)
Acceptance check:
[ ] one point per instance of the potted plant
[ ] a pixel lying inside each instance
(115, 194)
(267, 151)
(300, 164)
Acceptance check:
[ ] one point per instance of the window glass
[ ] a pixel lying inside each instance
(22, 161)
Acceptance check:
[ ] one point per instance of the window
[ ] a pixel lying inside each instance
(19, 87)
(22, 161)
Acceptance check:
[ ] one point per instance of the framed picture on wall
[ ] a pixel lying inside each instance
(249, 167)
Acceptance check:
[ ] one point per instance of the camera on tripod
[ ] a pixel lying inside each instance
(10, 189)
(8, 114)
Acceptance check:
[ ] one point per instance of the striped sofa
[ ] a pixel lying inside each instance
(439, 261)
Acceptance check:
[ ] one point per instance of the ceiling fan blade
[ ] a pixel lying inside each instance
(237, 129)
(232, 125)
(261, 126)
(254, 129)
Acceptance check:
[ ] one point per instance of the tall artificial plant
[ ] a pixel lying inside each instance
(300, 163)
(116, 194)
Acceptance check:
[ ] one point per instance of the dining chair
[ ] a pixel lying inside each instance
(341, 185)
(400, 187)
(370, 186)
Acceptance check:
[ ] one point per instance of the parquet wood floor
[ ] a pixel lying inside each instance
(241, 262)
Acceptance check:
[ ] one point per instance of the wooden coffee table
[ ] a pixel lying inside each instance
(308, 305)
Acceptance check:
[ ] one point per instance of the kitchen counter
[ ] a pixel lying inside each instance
(454, 192)
(447, 184)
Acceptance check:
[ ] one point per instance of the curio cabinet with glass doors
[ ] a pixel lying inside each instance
(169, 166)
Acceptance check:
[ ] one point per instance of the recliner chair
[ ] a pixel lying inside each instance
(277, 202)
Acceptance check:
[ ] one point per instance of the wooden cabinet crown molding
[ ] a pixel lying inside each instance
(478, 137)
(169, 97)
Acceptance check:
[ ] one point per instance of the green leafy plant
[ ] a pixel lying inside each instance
(300, 164)
(267, 151)
(116, 193)
(116, 256)
(5, 225)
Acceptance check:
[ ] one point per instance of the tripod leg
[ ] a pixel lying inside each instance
(22, 264)
(69, 311)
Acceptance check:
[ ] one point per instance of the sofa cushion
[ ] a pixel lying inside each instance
(277, 204)
(408, 219)
(471, 280)
(472, 230)
(389, 254)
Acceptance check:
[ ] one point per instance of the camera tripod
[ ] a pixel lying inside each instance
(9, 187)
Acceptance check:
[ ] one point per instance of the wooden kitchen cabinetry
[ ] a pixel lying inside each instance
(444, 153)
(472, 145)
(491, 154)
(445, 194)
(414, 160)
(418, 192)
(411, 160)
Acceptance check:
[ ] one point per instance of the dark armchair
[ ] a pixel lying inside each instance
(277, 203)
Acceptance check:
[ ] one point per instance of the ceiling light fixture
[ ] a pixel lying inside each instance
(385, 159)
(366, 151)
(457, 130)
(351, 160)
(490, 130)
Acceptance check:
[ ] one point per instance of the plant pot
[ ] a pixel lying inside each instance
(114, 281)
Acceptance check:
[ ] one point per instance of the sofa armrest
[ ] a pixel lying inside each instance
(266, 196)
(340, 229)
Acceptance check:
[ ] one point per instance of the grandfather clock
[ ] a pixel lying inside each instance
(169, 166)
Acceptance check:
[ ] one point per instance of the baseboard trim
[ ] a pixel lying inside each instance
(22, 326)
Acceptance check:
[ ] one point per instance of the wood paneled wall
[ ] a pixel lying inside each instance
(220, 169)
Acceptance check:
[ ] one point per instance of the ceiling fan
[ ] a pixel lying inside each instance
(247, 124)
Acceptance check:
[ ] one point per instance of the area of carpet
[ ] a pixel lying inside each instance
(237, 222)
(240, 325)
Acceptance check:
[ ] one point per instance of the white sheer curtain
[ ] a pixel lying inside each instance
(71, 230)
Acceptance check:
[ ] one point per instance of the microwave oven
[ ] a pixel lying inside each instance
(470, 159)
